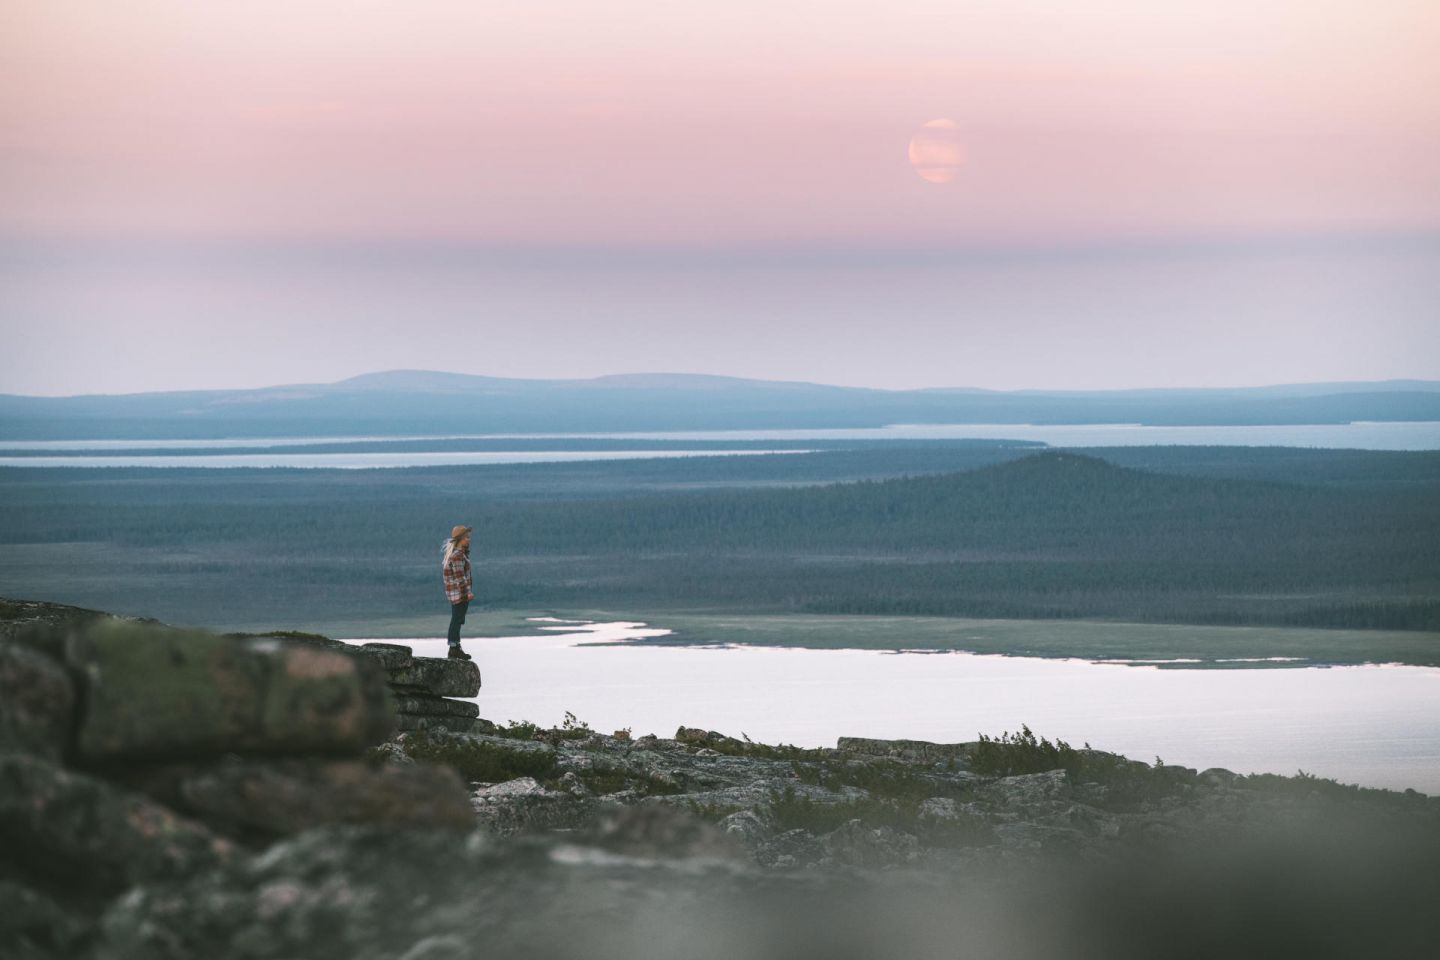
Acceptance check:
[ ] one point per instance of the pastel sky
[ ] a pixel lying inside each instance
(1154, 192)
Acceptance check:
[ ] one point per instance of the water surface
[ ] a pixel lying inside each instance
(1373, 725)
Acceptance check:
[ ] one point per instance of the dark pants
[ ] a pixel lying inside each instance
(457, 617)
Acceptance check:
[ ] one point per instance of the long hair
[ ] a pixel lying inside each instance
(447, 550)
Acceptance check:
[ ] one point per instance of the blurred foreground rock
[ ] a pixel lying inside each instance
(132, 752)
(172, 794)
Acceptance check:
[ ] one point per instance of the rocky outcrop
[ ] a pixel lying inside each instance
(133, 753)
(247, 836)
(158, 692)
(422, 687)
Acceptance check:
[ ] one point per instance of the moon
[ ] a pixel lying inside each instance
(935, 151)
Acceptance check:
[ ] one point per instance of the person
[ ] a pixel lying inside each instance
(458, 586)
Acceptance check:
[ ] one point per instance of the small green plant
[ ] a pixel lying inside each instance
(572, 728)
(1011, 754)
(519, 730)
(1127, 783)
(879, 777)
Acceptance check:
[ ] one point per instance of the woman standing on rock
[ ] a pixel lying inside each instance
(458, 585)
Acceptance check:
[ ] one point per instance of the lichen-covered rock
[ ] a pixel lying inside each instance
(254, 799)
(439, 677)
(33, 926)
(373, 894)
(855, 844)
(503, 809)
(392, 656)
(657, 831)
(911, 751)
(151, 691)
(407, 722)
(37, 702)
(424, 706)
(68, 828)
(45, 623)
(746, 826)
(1030, 790)
(789, 850)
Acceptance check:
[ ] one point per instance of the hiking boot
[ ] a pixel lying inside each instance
(457, 654)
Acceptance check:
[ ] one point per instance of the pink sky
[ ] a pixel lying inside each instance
(732, 123)
(1155, 193)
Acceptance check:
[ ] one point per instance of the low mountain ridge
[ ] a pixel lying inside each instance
(414, 402)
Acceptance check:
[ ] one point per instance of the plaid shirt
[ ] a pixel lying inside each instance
(457, 577)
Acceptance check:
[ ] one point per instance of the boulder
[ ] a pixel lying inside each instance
(150, 691)
(32, 925)
(439, 676)
(910, 751)
(522, 804)
(66, 828)
(274, 798)
(37, 702)
(855, 844)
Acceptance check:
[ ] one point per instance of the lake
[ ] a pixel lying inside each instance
(1420, 435)
(363, 461)
(1377, 726)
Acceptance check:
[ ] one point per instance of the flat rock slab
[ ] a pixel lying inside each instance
(65, 827)
(154, 692)
(267, 799)
(436, 706)
(911, 751)
(37, 702)
(440, 676)
(406, 722)
(392, 656)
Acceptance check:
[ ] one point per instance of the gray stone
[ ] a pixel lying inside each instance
(69, 828)
(939, 808)
(392, 656)
(522, 804)
(35, 927)
(440, 677)
(426, 706)
(746, 826)
(438, 948)
(911, 751)
(270, 799)
(855, 844)
(406, 722)
(158, 692)
(37, 702)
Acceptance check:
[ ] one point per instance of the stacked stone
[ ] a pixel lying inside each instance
(132, 752)
(423, 688)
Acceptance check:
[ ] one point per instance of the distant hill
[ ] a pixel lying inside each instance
(417, 402)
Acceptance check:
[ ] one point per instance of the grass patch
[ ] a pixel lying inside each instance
(479, 761)
(881, 778)
(1127, 782)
